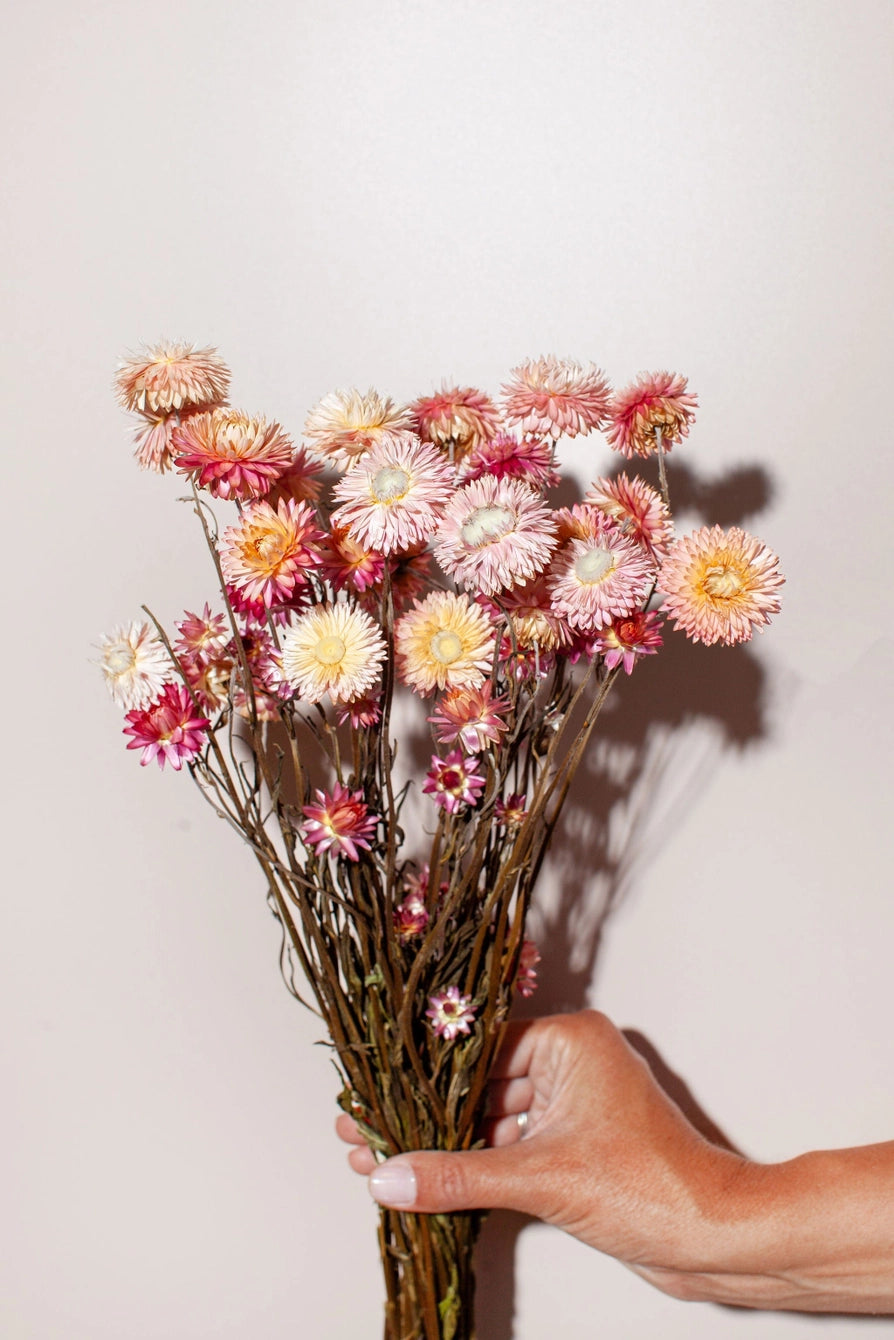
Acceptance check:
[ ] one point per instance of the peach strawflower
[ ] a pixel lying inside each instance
(599, 578)
(655, 400)
(474, 717)
(232, 455)
(533, 621)
(527, 458)
(347, 564)
(496, 533)
(444, 641)
(460, 417)
(334, 649)
(553, 396)
(135, 664)
(339, 823)
(301, 481)
(450, 1013)
(639, 510)
(168, 729)
(720, 585)
(345, 424)
(393, 498)
(268, 554)
(624, 641)
(171, 376)
(153, 441)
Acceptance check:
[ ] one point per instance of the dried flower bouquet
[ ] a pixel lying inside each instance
(432, 560)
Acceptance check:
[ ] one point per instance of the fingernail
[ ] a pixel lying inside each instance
(394, 1184)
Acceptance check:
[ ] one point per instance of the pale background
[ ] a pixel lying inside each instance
(389, 193)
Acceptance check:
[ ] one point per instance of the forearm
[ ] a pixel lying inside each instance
(815, 1234)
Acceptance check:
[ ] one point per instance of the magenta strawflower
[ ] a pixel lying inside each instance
(167, 730)
(625, 640)
(450, 1013)
(471, 716)
(340, 823)
(393, 498)
(361, 712)
(453, 781)
(230, 454)
(655, 401)
(512, 810)
(526, 981)
(202, 636)
(720, 585)
(553, 396)
(410, 918)
(496, 533)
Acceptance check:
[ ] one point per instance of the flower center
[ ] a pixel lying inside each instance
(725, 583)
(453, 780)
(121, 659)
(446, 646)
(593, 566)
(330, 649)
(390, 484)
(269, 549)
(487, 524)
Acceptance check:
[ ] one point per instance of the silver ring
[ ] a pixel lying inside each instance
(522, 1120)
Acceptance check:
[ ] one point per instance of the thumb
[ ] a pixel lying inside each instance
(441, 1183)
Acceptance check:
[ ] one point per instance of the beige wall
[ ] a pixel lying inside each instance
(389, 193)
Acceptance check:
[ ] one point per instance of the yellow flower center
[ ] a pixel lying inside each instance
(593, 566)
(446, 646)
(487, 524)
(330, 649)
(121, 659)
(722, 582)
(390, 484)
(270, 549)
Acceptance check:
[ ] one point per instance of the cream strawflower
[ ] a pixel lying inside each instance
(393, 498)
(445, 641)
(334, 649)
(556, 395)
(170, 376)
(345, 424)
(496, 533)
(135, 665)
(720, 585)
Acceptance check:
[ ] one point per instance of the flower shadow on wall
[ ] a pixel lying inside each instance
(660, 740)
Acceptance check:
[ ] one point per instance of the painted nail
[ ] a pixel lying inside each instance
(393, 1184)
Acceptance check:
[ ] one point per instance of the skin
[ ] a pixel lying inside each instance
(609, 1158)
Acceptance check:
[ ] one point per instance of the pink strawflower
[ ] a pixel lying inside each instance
(527, 458)
(720, 585)
(496, 533)
(473, 717)
(511, 811)
(624, 641)
(417, 884)
(526, 980)
(363, 713)
(268, 554)
(453, 781)
(340, 823)
(553, 396)
(460, 417)
(202, 636)
(602, 577)
(444, 642)
(348, 565)
(656, 400)
(231, 455)
(302, 481)
(345, 424)
(167, 730)
(450, 1013)
(171, 376)
(534, 624)
(410, 918)
(252, 610)
(637, 509)
(393, 498)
